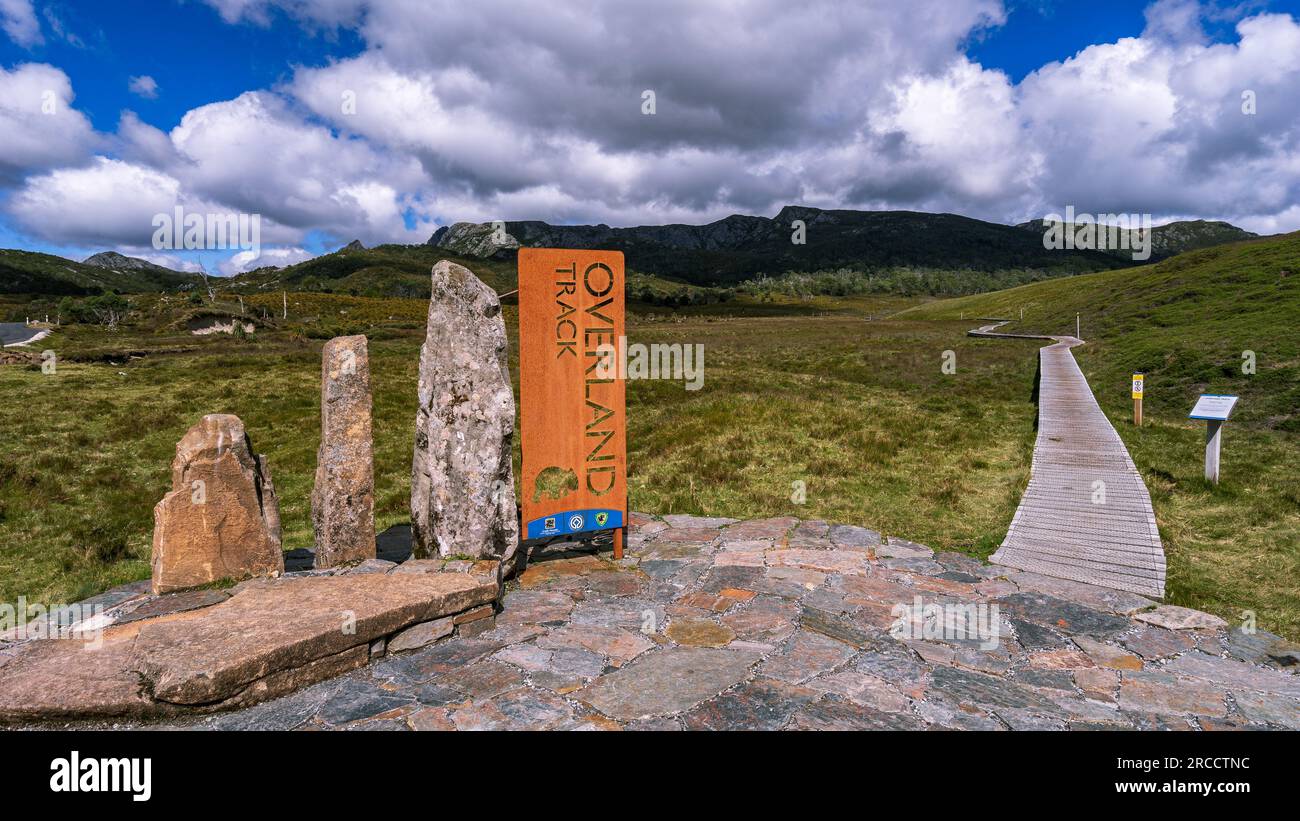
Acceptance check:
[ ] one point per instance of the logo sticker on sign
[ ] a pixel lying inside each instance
(573, 419)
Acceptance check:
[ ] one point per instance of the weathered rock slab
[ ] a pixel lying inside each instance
(419, 635)
(462, 485)
(221, 519)
(269, 638)
(287, 623)
(1173, 617)
(670, 681)
(343, 500)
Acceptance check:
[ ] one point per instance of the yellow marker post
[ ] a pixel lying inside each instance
(1138, 384)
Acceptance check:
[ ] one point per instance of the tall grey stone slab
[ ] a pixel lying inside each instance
(343, 501)
(462, 482)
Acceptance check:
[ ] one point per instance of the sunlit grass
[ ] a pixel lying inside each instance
(827, 392)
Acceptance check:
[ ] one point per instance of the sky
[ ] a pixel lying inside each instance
(334, 120)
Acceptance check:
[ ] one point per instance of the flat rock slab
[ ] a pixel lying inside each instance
(270, 637)
(287, 623)
(699, 633)
(62, 679)
(1172, 617)
(587, 644)
(169, 603)
(670, 681)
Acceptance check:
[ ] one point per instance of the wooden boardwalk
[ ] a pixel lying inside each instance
(1086, 515)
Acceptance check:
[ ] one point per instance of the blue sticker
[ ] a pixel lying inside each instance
(573, 521)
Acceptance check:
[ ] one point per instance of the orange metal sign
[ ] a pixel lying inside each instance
(573, 423)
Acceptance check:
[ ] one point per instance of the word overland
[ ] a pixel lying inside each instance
(595, 338)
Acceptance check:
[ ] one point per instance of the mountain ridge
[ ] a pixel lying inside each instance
(23, 272)
(740, 247)
(1170, 239)
(718, 254)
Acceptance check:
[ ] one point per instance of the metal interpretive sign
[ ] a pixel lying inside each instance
(573, 417)
(1215, 406)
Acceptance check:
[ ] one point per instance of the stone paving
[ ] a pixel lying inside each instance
(716, 624)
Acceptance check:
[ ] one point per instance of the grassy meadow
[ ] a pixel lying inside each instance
(824, 391)
(845, 395)
(1186, 323)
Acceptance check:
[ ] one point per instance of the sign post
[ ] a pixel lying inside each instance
(573, 419)
(1138, 385)
(1214, 408)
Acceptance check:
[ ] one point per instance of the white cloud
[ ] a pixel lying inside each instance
(529, 108)
(329, 13)
(39, 128)
(257, 155)
(105, 204)
(1156, 125)
(165, 260)
(18, 19)
(248, 260)
(515, 111)
(143, 86)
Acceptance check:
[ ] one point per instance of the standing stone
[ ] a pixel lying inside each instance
(221, 519)
(343, 502)
(462, 484)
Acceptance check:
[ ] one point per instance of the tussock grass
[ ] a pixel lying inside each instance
(1186, 322)
(845, 395)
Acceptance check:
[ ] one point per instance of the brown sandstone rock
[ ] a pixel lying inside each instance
(283, 624)
(462, 487)
(343, 501)
(221, 519)
(419, 635)
(271, 637)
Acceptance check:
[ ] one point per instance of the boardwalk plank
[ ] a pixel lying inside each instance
(1058, 530)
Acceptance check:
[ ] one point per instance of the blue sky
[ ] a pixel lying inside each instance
(1042, 31)
(498, 112)
(194, 57)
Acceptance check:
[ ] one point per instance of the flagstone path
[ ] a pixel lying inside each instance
(1086, 514)
(785, 624)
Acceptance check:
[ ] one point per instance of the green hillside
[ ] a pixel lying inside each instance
(28, 272)
(1185, 322)
(399, 271)
(739, 248)
(382, 271)
(1233, 549)
(1166, 240)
